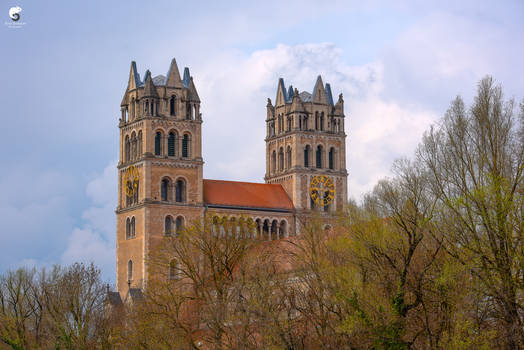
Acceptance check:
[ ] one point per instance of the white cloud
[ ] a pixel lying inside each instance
(234, 88)
(94, 241)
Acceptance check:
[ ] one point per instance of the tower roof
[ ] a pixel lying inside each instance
(320, 93)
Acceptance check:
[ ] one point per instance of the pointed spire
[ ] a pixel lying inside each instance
(329, 95)
(149, 88)
(187, 78)
(290, 93)
(173, 75)
(193, 95)
(134, 78)
(319, 94)
(281, 93)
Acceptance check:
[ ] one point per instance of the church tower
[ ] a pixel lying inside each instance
(160, 167)
(306, 148)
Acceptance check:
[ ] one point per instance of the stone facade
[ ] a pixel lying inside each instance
(161, 136)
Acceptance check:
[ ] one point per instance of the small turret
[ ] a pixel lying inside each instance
(270, 109)
(339, 107)
(296, 104)
(149, 87)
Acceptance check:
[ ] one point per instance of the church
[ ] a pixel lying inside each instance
(160, 171)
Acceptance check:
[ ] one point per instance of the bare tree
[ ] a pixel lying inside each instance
(475, 159)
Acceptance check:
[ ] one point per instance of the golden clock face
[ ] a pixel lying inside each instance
(322, 190)
(131, 178)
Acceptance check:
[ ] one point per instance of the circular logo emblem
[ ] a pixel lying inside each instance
(14, 13)
(321, 190)
(131, 178)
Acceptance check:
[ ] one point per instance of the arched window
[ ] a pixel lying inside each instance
(188, 111)
(168, 224)
(179, 226)
(307, 150)
(130, 270)
(322, 121)
(128, 228)
(319, 157)
(332, 158)
(288, 157)
(215, 226)
(316, 120)
(140, 143)
(164, 190)
(146, 108)
(280, 159)
(132, 233)
(289, 123)
(258, 227)
(180, 195)
(132, 115)
(171, 145)
(300, 122)
(127, 151)
(185, 146)
(173, 269)
(133, 146)
(158, 143)
(274, 230)
(274, 162)
(172, 110)
(283, 229)
(265, 229)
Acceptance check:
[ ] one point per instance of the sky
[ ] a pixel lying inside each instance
(65, 69)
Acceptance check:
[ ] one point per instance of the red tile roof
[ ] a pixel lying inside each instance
(246, 195)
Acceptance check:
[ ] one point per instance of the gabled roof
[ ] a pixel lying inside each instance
(246, 195)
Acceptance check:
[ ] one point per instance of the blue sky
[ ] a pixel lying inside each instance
(65, 71)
